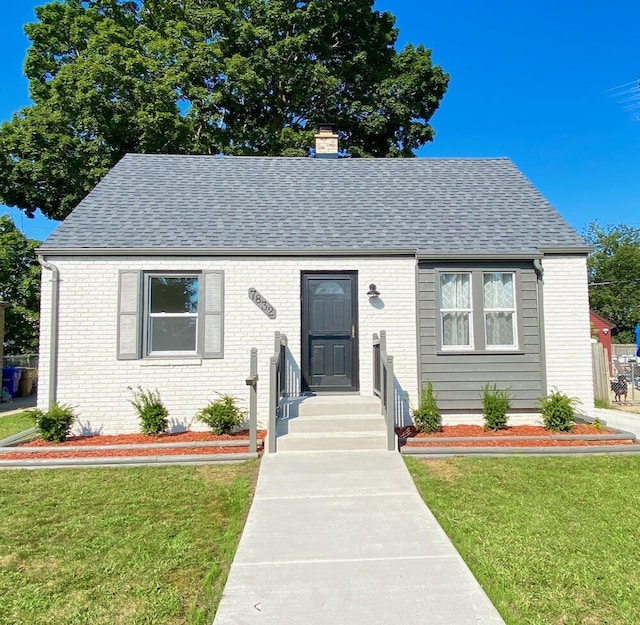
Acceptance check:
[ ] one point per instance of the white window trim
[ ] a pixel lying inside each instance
(513, 311)
(469, 311)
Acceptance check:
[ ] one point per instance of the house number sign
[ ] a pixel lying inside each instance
(262, 303)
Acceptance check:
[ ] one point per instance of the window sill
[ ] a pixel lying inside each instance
(168, 361)
(480, 352)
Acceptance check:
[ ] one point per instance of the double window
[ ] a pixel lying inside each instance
(478, 310)
(170, 314)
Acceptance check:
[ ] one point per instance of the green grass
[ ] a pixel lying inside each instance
(15, 423)
(119, 546)
(551, 540)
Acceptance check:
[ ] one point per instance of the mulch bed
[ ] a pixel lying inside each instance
(159, 449)
(487, 438)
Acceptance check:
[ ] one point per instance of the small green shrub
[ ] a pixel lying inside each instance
(558, 411)
(222, 415)
(597, 424)
(55, 424)
(153, 415)
(495, 405)
(426, 416)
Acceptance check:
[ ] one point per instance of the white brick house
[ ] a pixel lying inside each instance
(174, 267)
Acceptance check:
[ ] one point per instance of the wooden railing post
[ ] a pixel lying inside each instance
(391, 407)
(273, 404)
(253, 401)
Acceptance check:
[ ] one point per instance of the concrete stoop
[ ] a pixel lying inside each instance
(332, 423)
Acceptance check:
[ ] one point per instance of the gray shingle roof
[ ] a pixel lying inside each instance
(439, 206)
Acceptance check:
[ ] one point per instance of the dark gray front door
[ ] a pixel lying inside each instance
(329, 331)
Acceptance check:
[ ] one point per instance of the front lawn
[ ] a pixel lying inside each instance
(119, 546)
(551, 540)
(16, 423)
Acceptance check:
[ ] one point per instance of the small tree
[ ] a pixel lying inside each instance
(558, 411)
(495, 405)
(222, 415)
(153, 415)
(426, 416)
(54, 424)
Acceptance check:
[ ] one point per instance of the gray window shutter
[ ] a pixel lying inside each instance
(129, 315)
(213, 314)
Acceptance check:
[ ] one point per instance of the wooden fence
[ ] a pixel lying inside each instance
(601, 381)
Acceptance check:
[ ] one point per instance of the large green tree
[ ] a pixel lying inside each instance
(614, 276)
(20, 287)
(251, 77)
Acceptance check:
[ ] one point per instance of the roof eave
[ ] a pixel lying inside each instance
(489, 256)
(187, 251)
(577, 250)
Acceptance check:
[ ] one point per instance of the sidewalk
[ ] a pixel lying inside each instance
(343, 538)
(620, 419)
(19, 404)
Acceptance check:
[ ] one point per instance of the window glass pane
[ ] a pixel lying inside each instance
(173, 334)
(454, 290)
(498, 290)
(455, 329)
(174, 294)
(499, 328)
(328, 287)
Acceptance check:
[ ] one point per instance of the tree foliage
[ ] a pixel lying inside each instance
(20, 287)
(614, 275)
(252, 77)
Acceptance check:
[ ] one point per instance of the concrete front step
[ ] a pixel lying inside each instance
(332, 441)
(333, 423)
(328, 405)
(338, 423)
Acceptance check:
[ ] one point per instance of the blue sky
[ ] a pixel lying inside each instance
(535, 81)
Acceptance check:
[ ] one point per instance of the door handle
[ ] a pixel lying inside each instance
(353, 331)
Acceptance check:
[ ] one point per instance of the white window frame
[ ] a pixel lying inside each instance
(513, 310)
(468, 311)
(149, 316)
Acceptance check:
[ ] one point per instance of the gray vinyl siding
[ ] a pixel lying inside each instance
(458, 377)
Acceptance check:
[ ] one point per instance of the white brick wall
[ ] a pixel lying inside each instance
(567, 331)
(92, 379)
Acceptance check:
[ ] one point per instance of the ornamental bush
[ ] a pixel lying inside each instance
(558, 411)
(222, 415)
(426, 416)
(54, 425)
(153, 415)
(495, 405)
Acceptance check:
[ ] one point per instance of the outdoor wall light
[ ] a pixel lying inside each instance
(373, 292)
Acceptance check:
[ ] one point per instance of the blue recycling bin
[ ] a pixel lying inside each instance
(11, 379)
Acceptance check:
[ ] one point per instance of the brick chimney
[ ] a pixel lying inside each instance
(326, 142)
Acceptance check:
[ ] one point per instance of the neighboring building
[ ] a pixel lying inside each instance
(601, 330)
(174, 267)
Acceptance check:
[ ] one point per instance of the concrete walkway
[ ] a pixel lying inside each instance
(627, 421)
(343, 538)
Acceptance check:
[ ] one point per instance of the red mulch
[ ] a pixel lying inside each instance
(139, 439)
(544, 436)
(135, 439)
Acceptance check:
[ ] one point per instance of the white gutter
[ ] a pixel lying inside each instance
(53, 340)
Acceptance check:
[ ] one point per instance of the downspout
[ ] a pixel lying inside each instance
(53, 340)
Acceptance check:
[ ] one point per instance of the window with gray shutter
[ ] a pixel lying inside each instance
(212, 341)
(170, 314)
(129, 322)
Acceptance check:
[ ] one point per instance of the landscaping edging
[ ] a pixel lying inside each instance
(450, 452)
(126, 461)
(10, 445)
